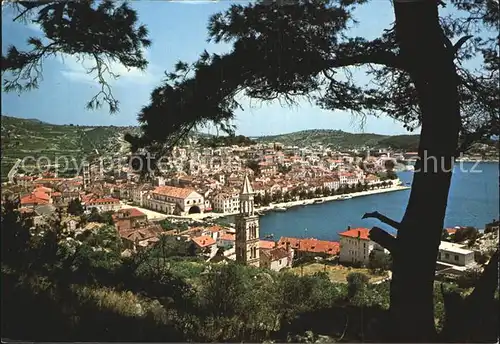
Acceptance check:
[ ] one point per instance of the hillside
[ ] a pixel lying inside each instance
(341, 139)
(30, 137)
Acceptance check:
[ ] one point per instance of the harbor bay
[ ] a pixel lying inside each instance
(473, 201)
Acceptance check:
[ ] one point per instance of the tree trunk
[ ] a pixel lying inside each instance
(430, 64)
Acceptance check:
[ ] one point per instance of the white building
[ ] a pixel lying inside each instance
(455, 254)
(173, 200)
(226, 202)
(347, 178)
(139, 194)
(332, 183)
(103, 204)
(356, 246)
(276, 258)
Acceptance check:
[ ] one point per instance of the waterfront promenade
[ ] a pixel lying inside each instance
(291, 204)
(154, 215)
(274, 206)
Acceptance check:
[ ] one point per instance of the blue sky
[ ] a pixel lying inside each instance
(178, 32)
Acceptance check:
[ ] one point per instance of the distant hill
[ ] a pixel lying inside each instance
(22, 137)
(31, 137)
(342, 139)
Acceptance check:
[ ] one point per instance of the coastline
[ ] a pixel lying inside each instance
(292, 204)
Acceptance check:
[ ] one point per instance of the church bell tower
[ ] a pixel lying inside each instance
(247, 228)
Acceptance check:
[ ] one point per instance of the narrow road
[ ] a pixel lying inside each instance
(13, 171)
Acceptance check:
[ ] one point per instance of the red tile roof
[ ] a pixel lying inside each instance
(140, 234)
(276, 253)
(43, 189)
(103, 200)
(215, 229)
(32, 199)
(265, 244)
(362, 233)
(311, 245)
(204, 241)
(25, 178)
(41, 195)
(129, 212)
(228, 237)
(173, 191)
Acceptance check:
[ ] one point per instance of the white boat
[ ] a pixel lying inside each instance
(279, 209)
(343, 197)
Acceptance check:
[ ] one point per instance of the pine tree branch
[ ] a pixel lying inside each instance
(383, 238)
(383, 218)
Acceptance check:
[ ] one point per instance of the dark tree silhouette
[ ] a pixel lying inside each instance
(75, 207)
(418, 81)
(82, 29)
(283, 53)
(254, 166)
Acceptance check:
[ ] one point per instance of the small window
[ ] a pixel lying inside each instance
(456, 257)
(447, 255)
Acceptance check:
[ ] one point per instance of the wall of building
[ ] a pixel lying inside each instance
(456, 258)
(355, 250)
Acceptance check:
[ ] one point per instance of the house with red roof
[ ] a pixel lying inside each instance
(205, 245)
(129, 218)
(310, 246)
(356, 246)
(34, 199)
(138, 238)
(266, 244)
(174, 200)
(276, 258)
(103, 204)
(214, 231)
(226, 240)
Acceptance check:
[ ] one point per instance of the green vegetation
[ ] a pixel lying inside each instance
(419, 77)
(30, 137)
(100, 217)
(379, 262)
(466, 233)
(56, 289)
(341, 139)
(75, 207)
(217, 141)
(336, 273)
(254, 166)
(168, 225)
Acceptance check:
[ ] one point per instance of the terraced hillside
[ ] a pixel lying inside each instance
(342, 139)
(21, 138)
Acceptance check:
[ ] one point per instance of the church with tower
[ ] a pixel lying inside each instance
(247, 228)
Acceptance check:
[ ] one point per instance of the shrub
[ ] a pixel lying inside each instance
(356, 282)
(469, 278)
(379, 261)
(466, 233)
